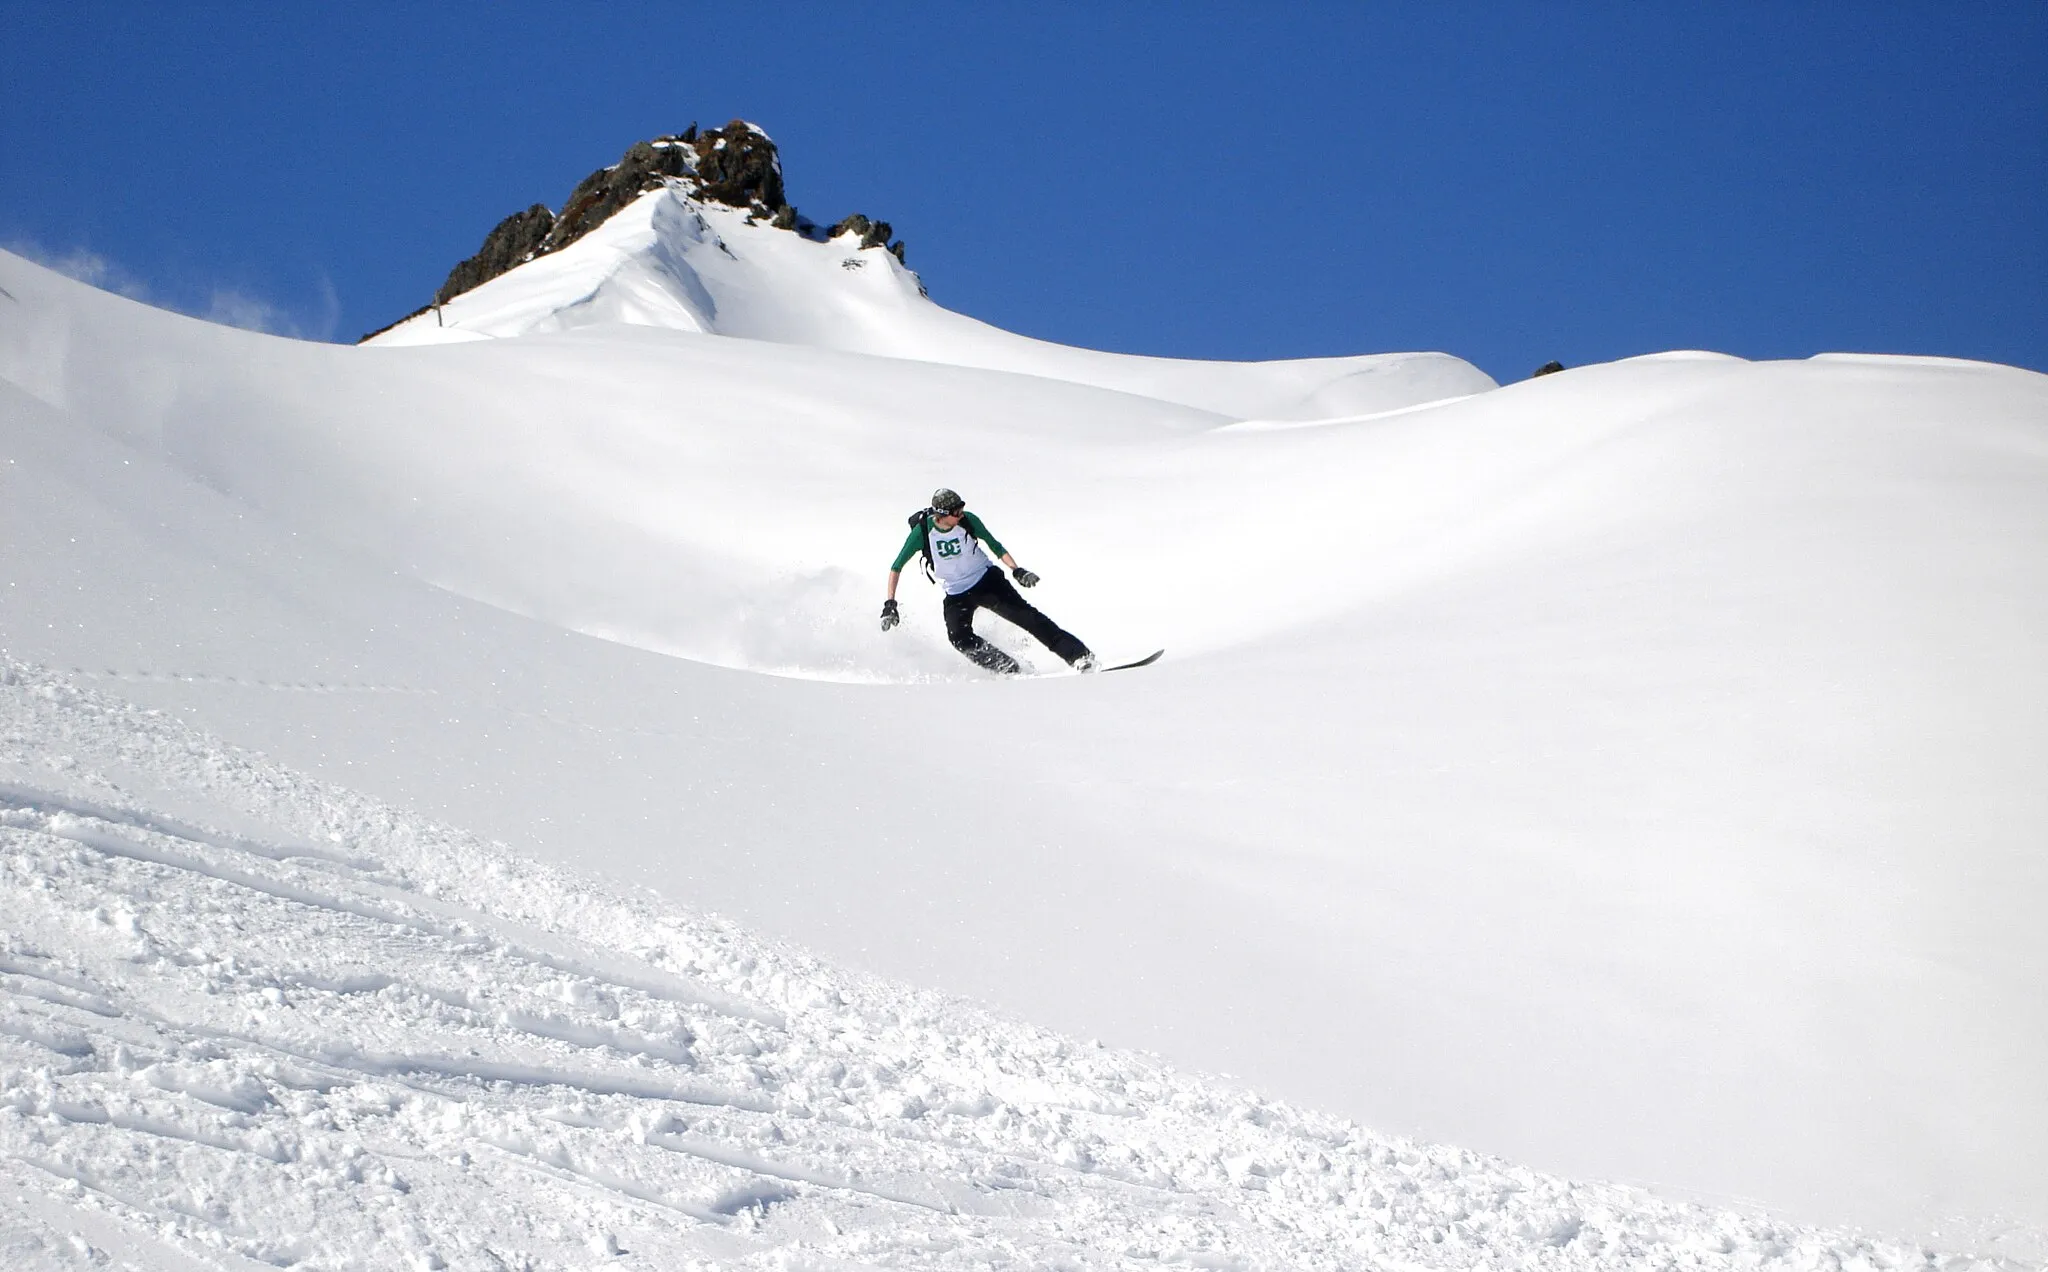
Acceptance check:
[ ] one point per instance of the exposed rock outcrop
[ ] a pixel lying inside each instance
(517, 239)
(737, 165)
(872, 233)
(1551, 367)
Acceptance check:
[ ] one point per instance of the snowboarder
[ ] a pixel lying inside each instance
(950, 537)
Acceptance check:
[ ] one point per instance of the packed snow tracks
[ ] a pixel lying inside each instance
(340, 1036)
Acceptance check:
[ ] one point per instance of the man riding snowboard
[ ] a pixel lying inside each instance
(950, 537)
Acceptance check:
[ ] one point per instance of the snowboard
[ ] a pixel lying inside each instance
(1146, 661)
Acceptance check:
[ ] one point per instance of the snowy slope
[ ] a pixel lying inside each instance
(287, 1025)
(1629, 771)
(672, 261)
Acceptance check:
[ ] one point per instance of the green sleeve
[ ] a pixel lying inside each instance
(980, 531)
(911, 547)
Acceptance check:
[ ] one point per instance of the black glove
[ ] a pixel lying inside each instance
(889, 615)
(1024, 577)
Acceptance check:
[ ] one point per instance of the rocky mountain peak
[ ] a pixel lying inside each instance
(737, 165)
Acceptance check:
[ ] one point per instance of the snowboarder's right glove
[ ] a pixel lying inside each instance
(1024, 577)
(889, 615)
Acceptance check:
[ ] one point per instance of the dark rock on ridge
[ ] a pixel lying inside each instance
(736, 165)
(516, 239)
(739, 167)
(1551, 367)
(872, 233)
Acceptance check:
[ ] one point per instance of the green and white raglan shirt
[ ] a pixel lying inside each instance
(957, 557)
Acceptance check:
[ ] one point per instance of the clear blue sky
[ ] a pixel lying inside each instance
(1510, 183)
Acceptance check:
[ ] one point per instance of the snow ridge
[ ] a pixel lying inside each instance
(298, 1026)
(672, 260)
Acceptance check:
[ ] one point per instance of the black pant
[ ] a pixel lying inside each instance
(993, 592)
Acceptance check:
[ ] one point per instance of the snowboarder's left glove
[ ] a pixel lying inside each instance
(1024, 577)
(889, 615)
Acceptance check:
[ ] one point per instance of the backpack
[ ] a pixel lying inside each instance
(922, 519)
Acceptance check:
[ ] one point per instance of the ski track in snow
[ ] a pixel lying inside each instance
(364, 1040)
(200, 678)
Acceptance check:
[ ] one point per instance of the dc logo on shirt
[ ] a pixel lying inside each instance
(948, 547)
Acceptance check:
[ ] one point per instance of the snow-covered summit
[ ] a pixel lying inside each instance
(693, 233)
(737, 166)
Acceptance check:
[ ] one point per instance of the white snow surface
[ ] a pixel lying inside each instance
(671, 261)
(1631, 773)
(301, 1028)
